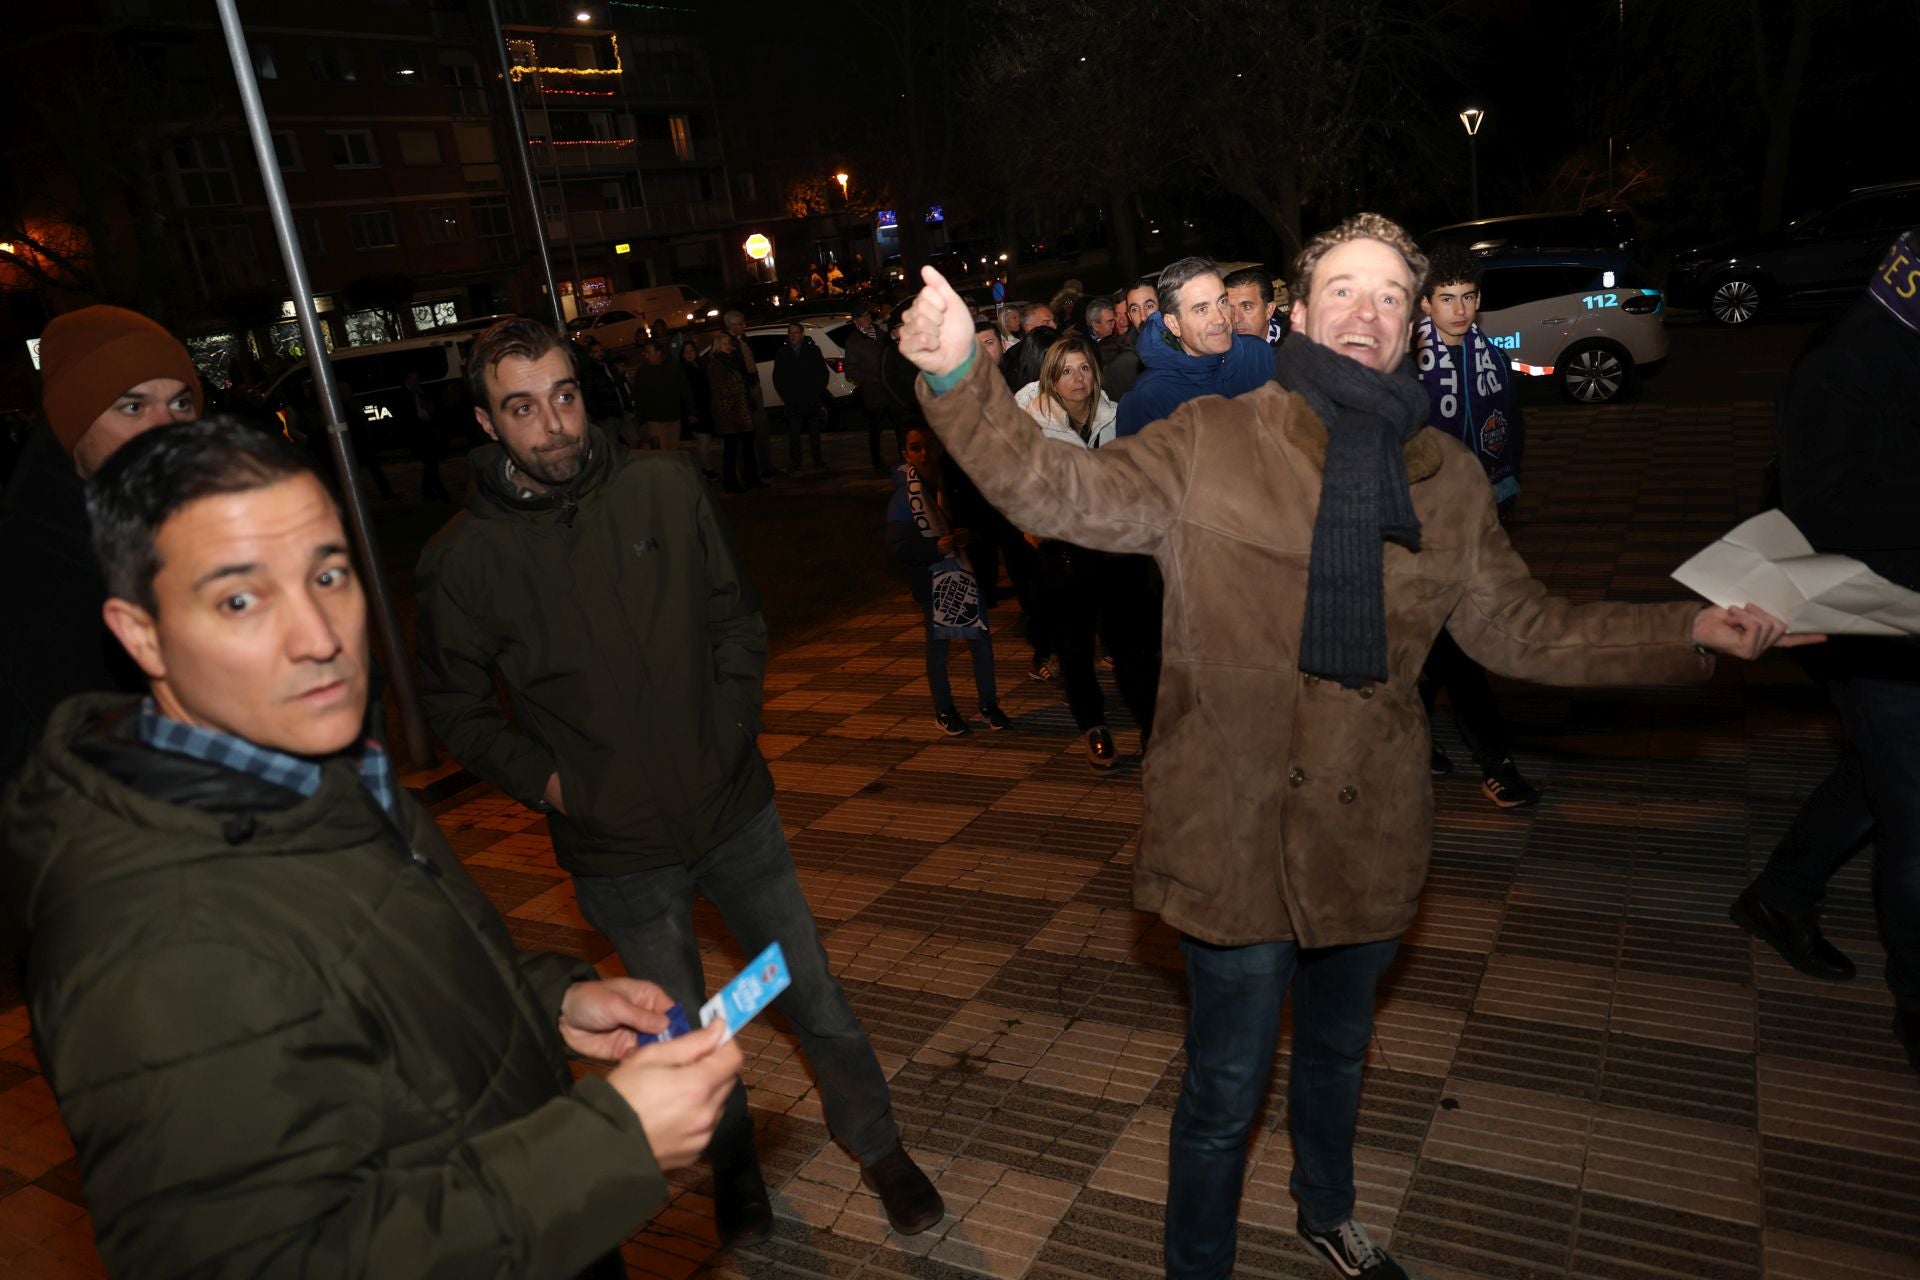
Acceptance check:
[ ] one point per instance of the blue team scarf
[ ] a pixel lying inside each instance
(956, 612)
(1896, 282)
(1474, 410)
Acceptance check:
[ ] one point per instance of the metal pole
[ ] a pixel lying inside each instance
(560, 185)
(413, 726)
(519, 127)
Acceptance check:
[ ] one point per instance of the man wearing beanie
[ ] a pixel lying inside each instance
(107, 374)
(1315, 535)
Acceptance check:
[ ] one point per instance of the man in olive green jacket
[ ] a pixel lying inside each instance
(288, 1034)
(605, 589)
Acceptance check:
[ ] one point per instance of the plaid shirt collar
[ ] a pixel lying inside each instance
(295, 773)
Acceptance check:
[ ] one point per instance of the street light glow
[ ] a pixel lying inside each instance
(1471, 118)
(583, 16)
(841, 178)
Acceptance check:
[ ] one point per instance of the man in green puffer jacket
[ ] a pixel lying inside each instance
(287, 1032)
(605, 589)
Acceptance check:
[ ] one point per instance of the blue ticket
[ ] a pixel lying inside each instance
(751, 991)
(677, 1025)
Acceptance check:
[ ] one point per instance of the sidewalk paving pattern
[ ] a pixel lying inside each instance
(1581, 1068)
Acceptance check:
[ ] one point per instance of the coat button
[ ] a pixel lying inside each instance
(1348, 795)
(1366, 691)
(1298, 776)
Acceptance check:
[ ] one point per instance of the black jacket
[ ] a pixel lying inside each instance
(1849, 421)
(290, 1035)
(53, 644)
(800, 375)
(659, 392)
(631, 643)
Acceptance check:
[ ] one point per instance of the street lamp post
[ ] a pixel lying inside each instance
(1472, 118)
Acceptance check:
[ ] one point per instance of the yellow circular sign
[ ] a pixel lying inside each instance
(758, 247)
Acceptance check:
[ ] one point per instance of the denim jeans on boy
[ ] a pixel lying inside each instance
(1235, 994)
(981, 648)
(648, 916)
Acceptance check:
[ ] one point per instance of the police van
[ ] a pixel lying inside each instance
(373, 383)
(1589, 321)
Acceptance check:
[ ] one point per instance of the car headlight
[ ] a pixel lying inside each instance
(713, 313)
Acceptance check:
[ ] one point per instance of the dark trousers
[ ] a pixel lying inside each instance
(803, 422)
(1873, 792)
(1100, 597)
(738, 470)
(1023, 571)
(1235, 995)
(750, 878)
(885, 416)
(1476, 713)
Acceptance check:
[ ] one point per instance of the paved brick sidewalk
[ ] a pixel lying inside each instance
(1581, 1068)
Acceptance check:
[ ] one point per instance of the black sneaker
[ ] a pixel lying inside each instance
(1101, 753)
(1505, 787)
(1439, 763)
(952, 723)
(996, 718)
(1348, 1250)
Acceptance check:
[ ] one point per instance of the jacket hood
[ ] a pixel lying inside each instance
(1161, 352)
(497, 498)
(1053, 423)
(94, 805)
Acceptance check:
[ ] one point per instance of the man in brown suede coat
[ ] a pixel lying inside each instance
(1315, 536)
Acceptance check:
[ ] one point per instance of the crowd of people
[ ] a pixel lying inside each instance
(288, 1032)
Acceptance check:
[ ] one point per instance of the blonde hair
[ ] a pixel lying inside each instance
(1055, 361)
(1361, 226)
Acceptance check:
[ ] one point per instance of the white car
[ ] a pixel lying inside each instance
(828, 333)
(613, 328)
(1589, 320)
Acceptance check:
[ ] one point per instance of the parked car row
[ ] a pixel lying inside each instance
(1824, 256)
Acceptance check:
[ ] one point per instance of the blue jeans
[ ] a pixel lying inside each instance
(938, 684)
(648, 916)
(1235, 994)
(1874, 791)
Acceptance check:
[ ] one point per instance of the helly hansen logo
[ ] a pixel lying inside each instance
(646, 545)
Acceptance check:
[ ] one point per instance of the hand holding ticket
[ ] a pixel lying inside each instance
(753, 989)
(750, 992)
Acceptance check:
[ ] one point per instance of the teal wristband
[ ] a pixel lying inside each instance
(941, 383)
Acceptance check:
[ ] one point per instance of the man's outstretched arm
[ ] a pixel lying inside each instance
(1124, 497)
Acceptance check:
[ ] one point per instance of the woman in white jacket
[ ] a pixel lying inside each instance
(1070, 407)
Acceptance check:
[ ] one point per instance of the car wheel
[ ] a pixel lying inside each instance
(1734, 302)
(1595, 373)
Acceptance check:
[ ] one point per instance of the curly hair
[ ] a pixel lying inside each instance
(1451, 265)
(1361, 226)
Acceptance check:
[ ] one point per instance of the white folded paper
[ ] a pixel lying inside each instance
(1767, 562)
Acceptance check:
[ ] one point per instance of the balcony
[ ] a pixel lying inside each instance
(624, 224)
(576, 156)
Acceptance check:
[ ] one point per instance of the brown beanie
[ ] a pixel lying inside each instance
(88, 357)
